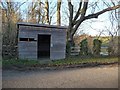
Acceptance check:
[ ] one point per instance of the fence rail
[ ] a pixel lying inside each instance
(75, 51)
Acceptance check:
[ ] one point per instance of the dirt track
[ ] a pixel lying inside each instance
(96, 77)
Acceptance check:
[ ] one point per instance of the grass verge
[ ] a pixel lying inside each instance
(67, 61)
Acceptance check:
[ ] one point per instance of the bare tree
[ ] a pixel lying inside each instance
(10, 15)
(41, 12)
(32, 12)
(80, 16)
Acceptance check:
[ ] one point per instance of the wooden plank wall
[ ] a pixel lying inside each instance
(29, 49)
(59, 44)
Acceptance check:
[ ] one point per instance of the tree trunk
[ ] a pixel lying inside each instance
(39, 12)
(58, 12)
(70, 42)
(47, 12)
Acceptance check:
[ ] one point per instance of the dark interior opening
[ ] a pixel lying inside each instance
(23, 39)
(44, 46)
(27, 39)
(32, 39)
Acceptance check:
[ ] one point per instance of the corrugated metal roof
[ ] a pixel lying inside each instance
(41, 25)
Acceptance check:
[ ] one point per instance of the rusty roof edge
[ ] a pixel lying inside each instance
(42, 25)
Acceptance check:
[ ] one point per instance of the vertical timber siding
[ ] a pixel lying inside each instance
(59, 44)
(28, 49)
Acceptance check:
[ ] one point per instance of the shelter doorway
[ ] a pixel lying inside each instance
(43, 46)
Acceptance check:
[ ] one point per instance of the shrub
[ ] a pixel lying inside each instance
(84, 47)
(96, 47)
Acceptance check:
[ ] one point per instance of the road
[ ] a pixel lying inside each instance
(95, 77)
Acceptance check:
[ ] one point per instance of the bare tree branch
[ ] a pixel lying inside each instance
(71, 12)
(95, 15)
(17, 8)
(78, 11)
(81, 18)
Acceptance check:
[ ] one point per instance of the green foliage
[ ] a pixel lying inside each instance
(96, 47)
(84, 47)
(113, 47)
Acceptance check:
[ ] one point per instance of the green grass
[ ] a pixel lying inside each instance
(19, 62)
(88, 60)
(67, 61)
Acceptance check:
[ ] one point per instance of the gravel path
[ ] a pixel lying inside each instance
(96, 77)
